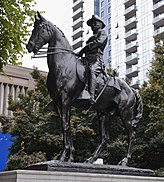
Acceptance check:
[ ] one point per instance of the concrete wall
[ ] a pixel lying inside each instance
(54, 176)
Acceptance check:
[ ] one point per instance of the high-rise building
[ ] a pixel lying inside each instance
(82, 11)
(105, 14)
(132, 26)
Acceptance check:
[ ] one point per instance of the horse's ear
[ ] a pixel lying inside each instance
(36, 17)
(39, 16)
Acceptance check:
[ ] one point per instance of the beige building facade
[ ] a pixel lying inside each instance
(14, 80)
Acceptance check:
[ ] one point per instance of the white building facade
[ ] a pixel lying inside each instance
(133, 23)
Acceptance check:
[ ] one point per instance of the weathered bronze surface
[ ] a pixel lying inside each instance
(90, 168)
(66, 83)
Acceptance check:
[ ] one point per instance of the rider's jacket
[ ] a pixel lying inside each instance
(96, 43)
(93, 50)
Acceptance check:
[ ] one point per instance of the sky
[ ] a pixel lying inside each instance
(54, 13)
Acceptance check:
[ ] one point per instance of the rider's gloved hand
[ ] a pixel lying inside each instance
(79, 54)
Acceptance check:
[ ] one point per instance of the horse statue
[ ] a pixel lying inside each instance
(66, 82)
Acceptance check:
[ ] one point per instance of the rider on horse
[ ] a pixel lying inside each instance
(94, 53)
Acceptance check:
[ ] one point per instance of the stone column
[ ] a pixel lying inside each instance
(6, 99)
(17, 91)
(13, 92)
(1, 97)
(23, 91)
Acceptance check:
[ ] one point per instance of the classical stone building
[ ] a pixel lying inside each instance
(14, 80)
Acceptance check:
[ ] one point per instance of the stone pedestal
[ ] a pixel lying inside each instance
(57, 176)
(56, 165)
(56, 171)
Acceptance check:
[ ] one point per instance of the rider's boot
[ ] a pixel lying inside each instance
(92, 88)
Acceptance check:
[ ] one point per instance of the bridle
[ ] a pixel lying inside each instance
(42, 54)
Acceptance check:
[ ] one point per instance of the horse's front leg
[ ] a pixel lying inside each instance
(67, 154)
(104, 132)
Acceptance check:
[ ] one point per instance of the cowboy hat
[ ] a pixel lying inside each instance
(95, 18)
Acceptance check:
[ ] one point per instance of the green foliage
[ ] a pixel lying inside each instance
(15, 17)
(150, 133)
(21, 160)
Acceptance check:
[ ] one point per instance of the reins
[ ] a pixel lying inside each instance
(41, 54)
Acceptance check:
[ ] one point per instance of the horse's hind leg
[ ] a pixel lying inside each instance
(103, 121)
(127, 117)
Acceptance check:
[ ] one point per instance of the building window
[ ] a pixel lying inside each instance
(117, 36)
(102, 3)
(109, 53)
(116, 25)
(102, 14)
(109, 30)
(109, 9)
(109, 20)
(109, 41)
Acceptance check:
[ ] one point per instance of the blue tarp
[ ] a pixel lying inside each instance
(5, 143)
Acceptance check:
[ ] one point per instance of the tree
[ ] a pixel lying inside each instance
(37, 134)
(15, 17)
(150, 143)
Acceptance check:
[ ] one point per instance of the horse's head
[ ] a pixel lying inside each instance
(40, 34)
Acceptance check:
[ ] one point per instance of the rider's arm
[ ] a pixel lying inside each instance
(100, 40)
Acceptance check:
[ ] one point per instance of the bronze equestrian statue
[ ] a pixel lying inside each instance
(66, 81)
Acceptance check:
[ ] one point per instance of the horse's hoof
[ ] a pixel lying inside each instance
(63, 159)
(123, 162)
(89, 161)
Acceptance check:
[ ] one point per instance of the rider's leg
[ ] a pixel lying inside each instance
(92, 85)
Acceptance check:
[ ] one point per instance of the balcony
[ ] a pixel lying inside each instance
(132, 59)
(129, 2)
(131, 23)
(158, 7)
(78, 43)
(78, 23)
(135, 83)
(131, 11)
(131, 34)
(159, 32)
(78, 13)
(78, 33)
(132, 72)
(77, 4)
(159, 20)
(131, 47)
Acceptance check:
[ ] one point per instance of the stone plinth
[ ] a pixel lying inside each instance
(56, 176)
(55, 165)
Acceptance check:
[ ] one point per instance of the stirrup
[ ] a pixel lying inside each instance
(92, 101)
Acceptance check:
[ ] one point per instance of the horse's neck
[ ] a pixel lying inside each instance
(59, 41)
(59, 46)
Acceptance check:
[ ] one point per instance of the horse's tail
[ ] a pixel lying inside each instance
(138, 108)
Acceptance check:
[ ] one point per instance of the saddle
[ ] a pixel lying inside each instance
(102, 80)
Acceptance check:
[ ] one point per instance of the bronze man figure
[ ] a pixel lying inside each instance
(94, 52)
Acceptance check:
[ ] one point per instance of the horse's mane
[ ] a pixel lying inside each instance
(60, 30)
(49, 24)
(51, 27)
